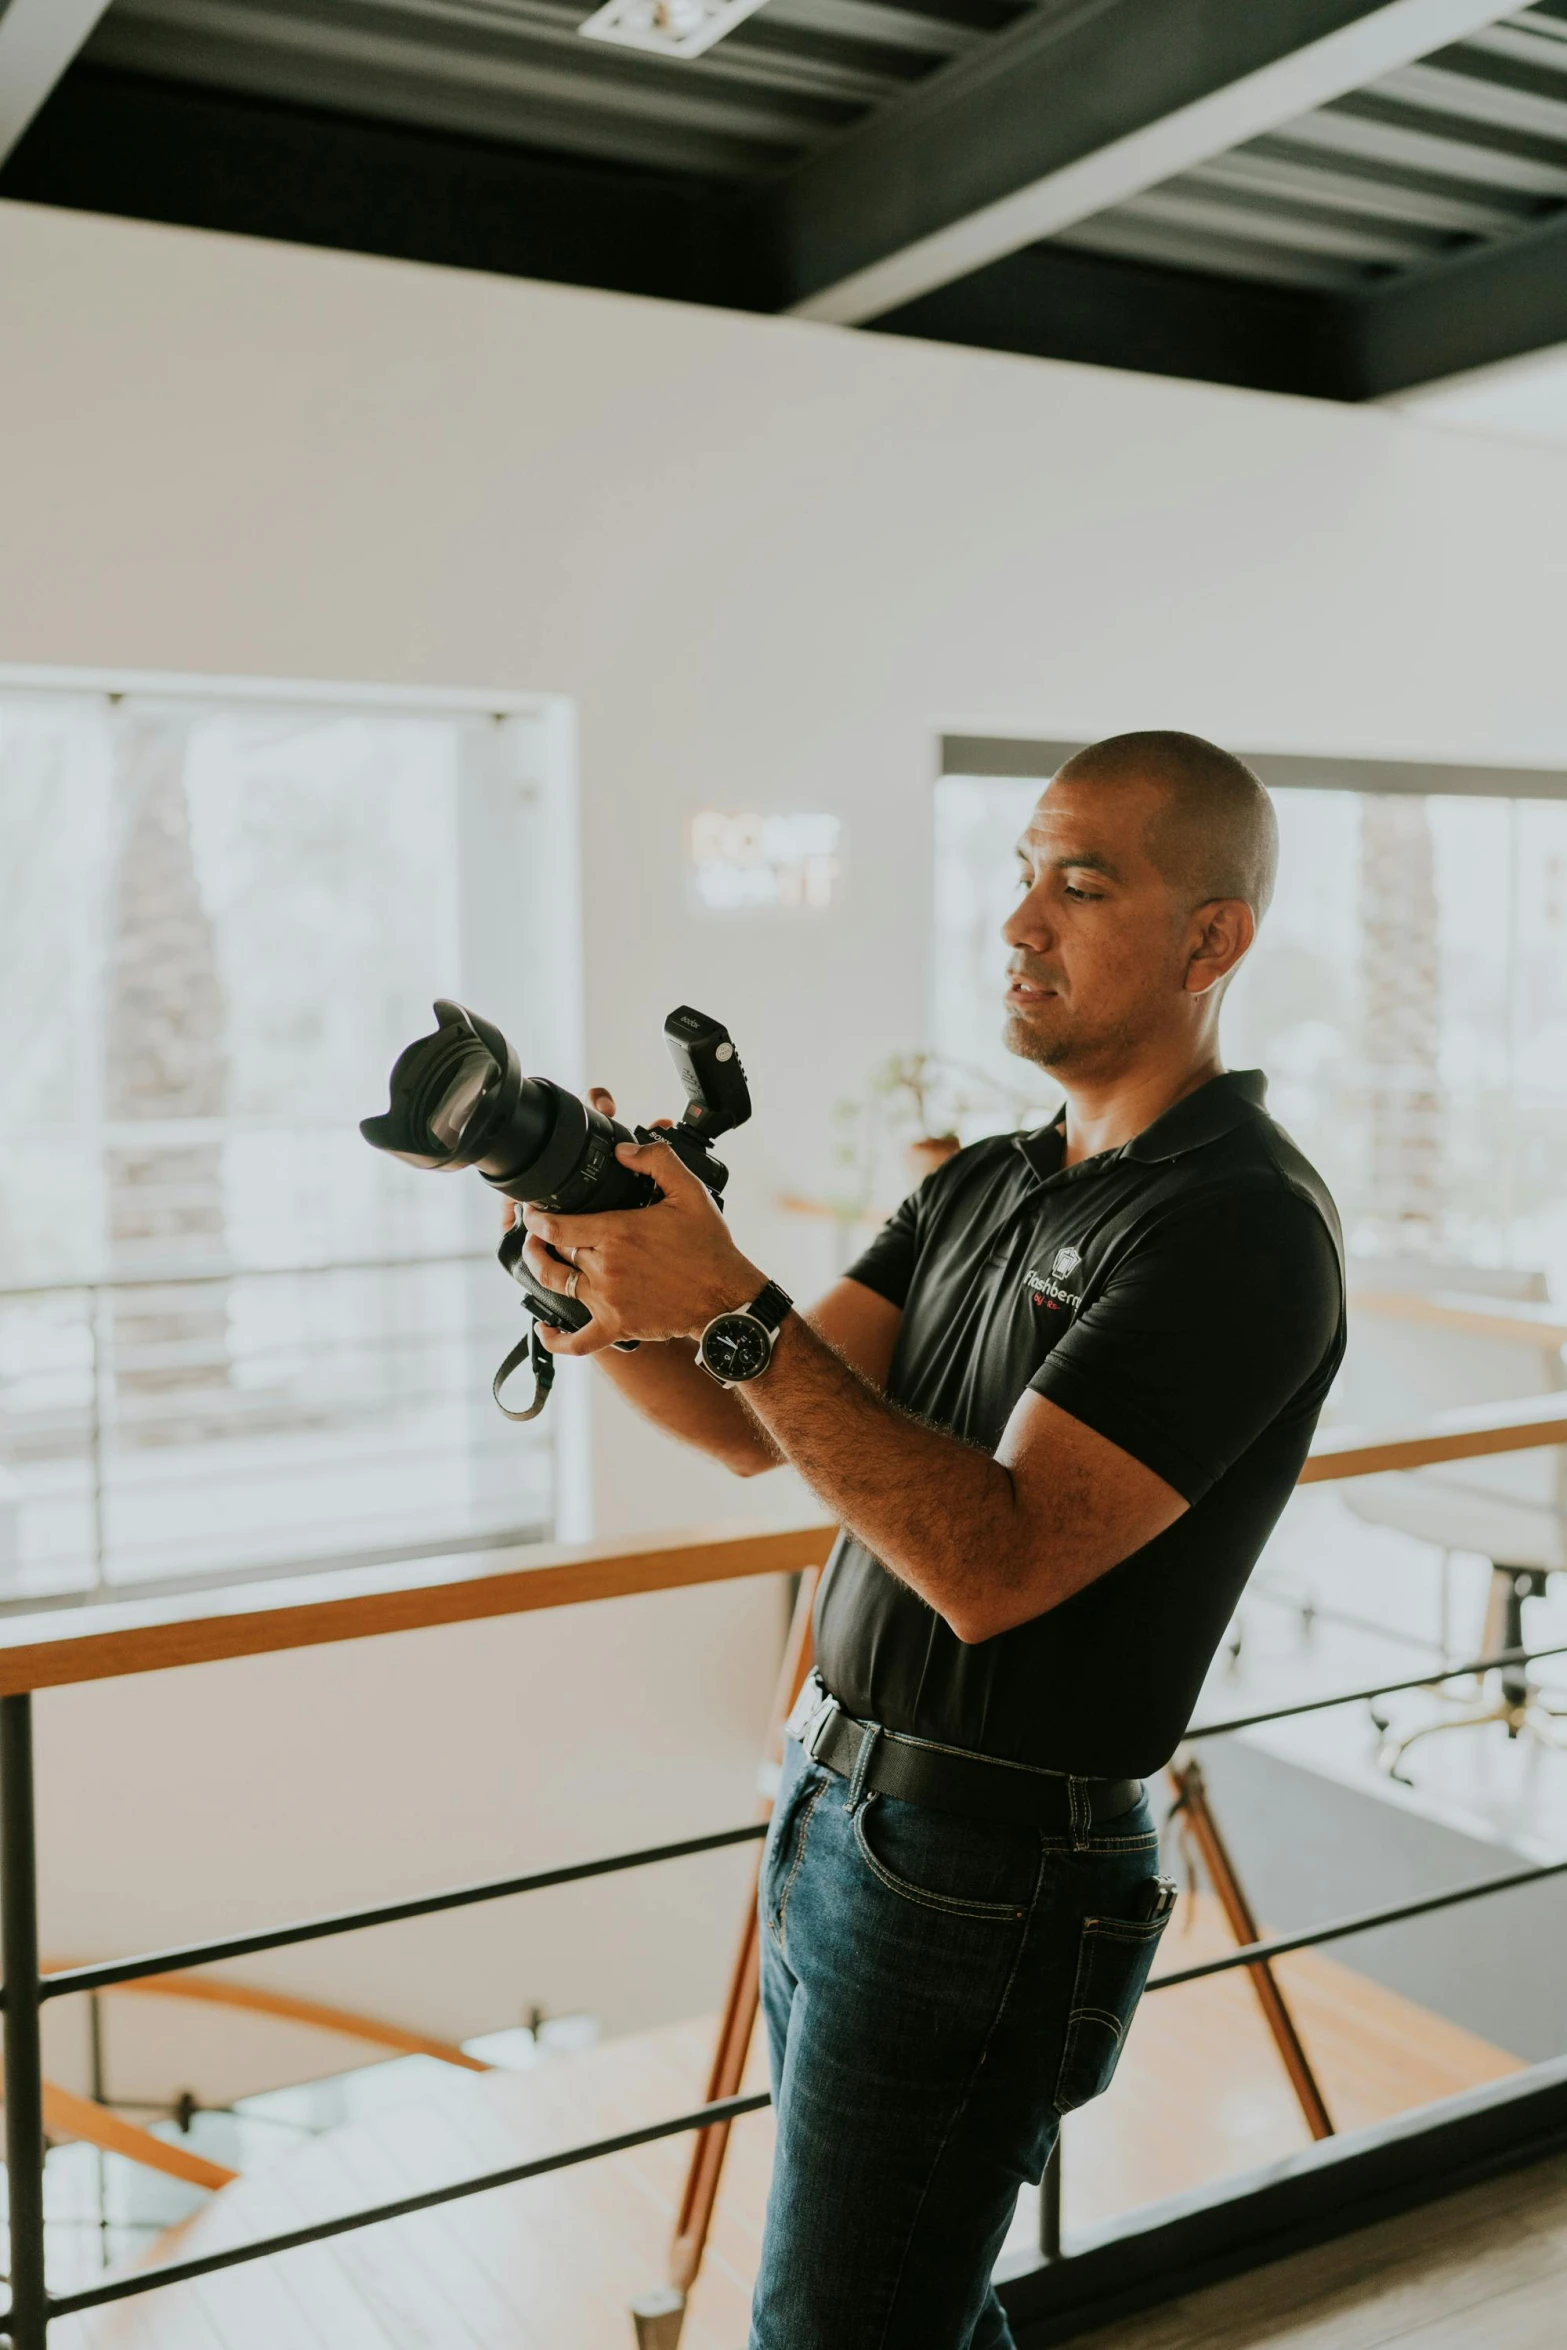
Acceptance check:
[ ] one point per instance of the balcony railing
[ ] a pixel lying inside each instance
(197, 1427)
(135, 1636)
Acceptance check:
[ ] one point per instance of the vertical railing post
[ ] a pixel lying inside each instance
(28, 2323)
(1050, 2205)
(98, 2083)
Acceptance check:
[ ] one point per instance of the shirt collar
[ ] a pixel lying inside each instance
(1215, 1108)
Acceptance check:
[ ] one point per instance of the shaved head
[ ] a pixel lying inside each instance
(1215, 834)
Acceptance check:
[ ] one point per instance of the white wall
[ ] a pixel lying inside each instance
(184, 1804)
(771, 562)
(1524, 399)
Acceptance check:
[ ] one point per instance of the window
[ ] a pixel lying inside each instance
(231, 1336)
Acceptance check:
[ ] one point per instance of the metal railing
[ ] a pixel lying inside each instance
(1257, 1953)
(130, 1422)
(26, 1991)
(35, 1658)
(33, 2308)
(1261, 1953)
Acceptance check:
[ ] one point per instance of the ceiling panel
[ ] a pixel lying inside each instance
(786, 81)
(1464, 149)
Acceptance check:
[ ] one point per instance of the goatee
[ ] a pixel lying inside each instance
(1046, 1048)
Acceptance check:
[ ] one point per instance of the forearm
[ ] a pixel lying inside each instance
(940, 1513)
(665, 1383)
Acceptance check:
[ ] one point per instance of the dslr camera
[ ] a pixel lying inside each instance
(459, 1099)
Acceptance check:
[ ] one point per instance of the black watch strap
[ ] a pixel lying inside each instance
(770, 1306)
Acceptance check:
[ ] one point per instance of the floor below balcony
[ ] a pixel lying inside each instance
(558, 2260)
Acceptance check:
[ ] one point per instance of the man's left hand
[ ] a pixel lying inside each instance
(649, 1273)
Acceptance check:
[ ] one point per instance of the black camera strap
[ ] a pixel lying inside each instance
(530, 1348)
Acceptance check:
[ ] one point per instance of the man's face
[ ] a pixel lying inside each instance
(1100, 943)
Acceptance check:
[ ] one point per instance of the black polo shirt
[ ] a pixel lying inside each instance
(1184, 1295)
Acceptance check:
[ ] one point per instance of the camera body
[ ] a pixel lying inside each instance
(459, 1099)
(717, 1098)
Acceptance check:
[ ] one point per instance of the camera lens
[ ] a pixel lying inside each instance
(437, 1085)
(459, 1099)
(444, 1090)
(457, 1105)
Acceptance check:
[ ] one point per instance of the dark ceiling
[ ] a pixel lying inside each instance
(1207, 188)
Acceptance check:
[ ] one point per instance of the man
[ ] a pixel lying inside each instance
(1057, 1407)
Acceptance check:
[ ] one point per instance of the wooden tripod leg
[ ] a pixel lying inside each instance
(1191, 1793)
(658, 2318)
(711, 2146)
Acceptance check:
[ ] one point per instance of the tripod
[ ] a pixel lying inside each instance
(1194, 1809)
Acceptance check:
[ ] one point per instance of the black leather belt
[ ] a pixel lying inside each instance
(945, 1778)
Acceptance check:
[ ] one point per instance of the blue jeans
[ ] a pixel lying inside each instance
(938, 1992)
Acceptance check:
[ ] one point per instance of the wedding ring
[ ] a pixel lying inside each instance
(572, 1254)
(572, 1278)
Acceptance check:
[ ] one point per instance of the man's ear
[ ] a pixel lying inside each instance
(1222, 931)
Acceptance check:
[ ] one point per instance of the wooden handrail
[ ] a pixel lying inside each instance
(1517, 1321)
(255, 1999)
(105, 1642)
(68, 2116)
(1471, 1432)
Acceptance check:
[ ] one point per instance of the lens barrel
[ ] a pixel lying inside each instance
(573, 1170)
(459, 1099)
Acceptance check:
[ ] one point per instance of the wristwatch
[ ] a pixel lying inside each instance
(738, 1346)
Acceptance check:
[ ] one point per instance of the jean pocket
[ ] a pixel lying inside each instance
(1113, 1962)
(966, 1868)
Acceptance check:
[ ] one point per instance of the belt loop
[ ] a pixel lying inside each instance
(1082, 1813)
(862, 1765)
(813, 1709)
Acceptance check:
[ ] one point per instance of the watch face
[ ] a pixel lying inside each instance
(736, 1346)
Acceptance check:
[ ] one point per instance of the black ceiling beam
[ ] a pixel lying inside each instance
(1051, 302)
(1495, 303)
(1072, 77)
(121, 143)
(202, 158)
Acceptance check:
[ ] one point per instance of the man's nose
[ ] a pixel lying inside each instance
(1028, 924)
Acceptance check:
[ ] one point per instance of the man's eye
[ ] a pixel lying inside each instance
(1083, 897)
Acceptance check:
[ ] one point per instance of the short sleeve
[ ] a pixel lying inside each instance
(887, 1266)
(1214, 1325)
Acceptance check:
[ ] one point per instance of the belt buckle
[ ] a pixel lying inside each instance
(809, 1714)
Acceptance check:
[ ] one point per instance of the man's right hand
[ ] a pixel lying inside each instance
(667, 1385)
(599, 1098)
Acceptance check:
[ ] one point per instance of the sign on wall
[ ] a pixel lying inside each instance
(741, 863)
